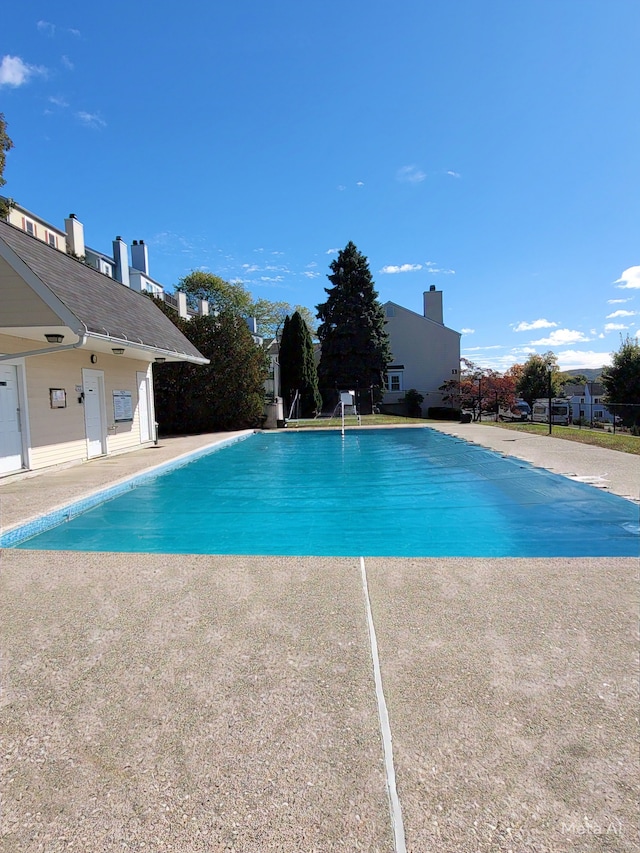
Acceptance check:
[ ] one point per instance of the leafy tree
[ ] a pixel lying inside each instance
(622, 381)
(222, 295)
(355, 345)
(270, 317)
(479, 389)
(298, 372)
(226, 394)
(533, 382)
(6, 144)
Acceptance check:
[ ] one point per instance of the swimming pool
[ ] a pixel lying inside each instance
(386, 492)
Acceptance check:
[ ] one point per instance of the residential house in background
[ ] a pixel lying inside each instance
(133, 274)
(76, 351)
(585, 402)
(426, 353)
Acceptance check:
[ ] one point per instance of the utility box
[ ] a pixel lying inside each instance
(274, 414)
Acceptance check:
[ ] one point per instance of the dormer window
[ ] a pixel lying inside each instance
(29, 227)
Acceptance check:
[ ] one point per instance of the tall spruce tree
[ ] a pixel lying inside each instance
(298, 372)
(355, 345)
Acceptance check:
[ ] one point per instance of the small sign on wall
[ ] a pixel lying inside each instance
(122, 406)
(58, 398)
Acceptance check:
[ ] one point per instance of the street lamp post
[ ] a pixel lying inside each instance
(549, 392)
(480, 399)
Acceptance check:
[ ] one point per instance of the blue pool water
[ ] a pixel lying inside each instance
(400, 492)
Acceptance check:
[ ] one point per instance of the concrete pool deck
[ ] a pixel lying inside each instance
(207, 703)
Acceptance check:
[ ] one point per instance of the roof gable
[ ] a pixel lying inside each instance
(103, 306)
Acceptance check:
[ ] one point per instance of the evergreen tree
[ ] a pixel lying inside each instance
(298, 372)
(226, 394)
(355, 345)
(622, 381)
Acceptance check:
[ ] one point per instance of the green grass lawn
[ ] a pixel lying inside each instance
(623, 442)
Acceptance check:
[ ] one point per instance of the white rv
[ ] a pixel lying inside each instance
(519, 411)
(560, 411)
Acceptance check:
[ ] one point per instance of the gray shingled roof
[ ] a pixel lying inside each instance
(103, 305)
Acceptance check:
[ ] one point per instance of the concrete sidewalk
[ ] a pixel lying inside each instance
(616, 472)
(205, 703)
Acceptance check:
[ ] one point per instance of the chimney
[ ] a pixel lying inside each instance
(433, 305)
(140, 257)
(121, 257)
(75, 236)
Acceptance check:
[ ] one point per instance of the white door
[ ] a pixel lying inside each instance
(94, 412)
(144, 407)
(10, 427)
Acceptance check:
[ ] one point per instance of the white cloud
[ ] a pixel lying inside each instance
(310, 274)
(468, 331)
(332, 251)
(58, 101)
(618, 301)
(15, 72)
(250, 268)
(536, 324)
(630, 279)
(572, 359)
(614, 327)
(341, 188)
(46, 28)
(91, 119)
(312, 265)
(621, 313)
(561, 337)
(482, 349)
(359, 183)
(440, 271)
(68, 64)
(410, 175)
(453, 174)
(402, 268)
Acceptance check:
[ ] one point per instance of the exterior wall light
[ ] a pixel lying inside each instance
(54, 338)
(118, 350)
(160, 360)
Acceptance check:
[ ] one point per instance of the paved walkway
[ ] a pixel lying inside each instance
(206, 703)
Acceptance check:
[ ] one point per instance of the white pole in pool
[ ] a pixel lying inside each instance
(342, 415)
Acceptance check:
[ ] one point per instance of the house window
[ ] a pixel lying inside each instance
(51, 239)
(393, 380)
(454, 372)
(29, 227)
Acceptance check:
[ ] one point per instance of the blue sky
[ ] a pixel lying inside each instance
(489, 147)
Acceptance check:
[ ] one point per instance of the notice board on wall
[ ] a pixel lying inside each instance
(122, 406)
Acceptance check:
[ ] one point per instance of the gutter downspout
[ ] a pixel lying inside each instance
(10, 356)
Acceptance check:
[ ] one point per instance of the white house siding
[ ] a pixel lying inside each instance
(58, 436)
(429, 351)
